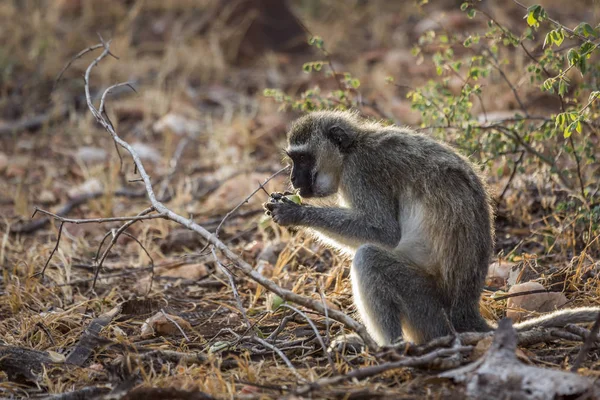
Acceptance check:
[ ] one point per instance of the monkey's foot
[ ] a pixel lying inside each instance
(347, 344)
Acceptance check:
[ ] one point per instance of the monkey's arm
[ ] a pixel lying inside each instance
(351, 225)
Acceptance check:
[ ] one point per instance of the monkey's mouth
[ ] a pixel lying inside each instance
(305, 192)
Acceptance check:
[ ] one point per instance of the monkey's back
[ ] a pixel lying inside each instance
(443, 204)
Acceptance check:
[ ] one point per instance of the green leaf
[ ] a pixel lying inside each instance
(573, 56)
(531, 20)
(355, 83)
(464, 6)
(585, 29)
(548, 83)
(535, 14)
(567, 132)
(471, 13)
(562, 87)
(307, 68)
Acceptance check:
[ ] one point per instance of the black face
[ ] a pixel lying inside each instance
(302, 172)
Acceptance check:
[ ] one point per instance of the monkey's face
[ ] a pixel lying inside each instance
(317, 145)
(313, 173)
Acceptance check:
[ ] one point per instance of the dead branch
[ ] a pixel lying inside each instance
(89, 339)
(587, 345)
(499, 371)
(424, 361)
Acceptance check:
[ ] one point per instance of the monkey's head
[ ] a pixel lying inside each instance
(317, 146)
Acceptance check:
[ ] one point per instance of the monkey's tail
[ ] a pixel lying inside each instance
(559, 319)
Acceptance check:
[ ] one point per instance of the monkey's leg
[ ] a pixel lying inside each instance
(395, 298)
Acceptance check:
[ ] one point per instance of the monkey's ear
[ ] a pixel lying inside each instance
(341, 137)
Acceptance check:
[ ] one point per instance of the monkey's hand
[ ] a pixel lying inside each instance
(284, 211)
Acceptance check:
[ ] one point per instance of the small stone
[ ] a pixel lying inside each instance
(90, 186)
(89, 154)
(177, 124)
(47, 197)
(518, 306)
(146, 152)
(160, 325)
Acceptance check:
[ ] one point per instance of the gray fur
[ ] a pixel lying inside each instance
(560, 318)
(415, 214)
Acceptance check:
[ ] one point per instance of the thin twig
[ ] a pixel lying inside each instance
(60, 228)
(260, 187)
(73, 59)
(116, 235)
(187, 339)
(77, 221)
(524, 293)
(587, 345)
(108, 90)
(511, 177)
(173, 163)
(319, 337)
(234, 290)
(280, 354)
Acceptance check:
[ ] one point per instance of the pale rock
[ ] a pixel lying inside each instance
(160, 325)
(502, 273)
(146, 152)
(187, 271)
(46, 197)
(92, 185)
(518, 307)
(90, 154)
(178, 124)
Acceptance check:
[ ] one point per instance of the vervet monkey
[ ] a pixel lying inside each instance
(415, 215)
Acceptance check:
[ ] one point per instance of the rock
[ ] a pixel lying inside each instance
(92, 185)
(178, 124)
(146, 152)
(46, 197)
(160, 325)
(518, 306)
(188, 271)
(502, 273)
(91, 155)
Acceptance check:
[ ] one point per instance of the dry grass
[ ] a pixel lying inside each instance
(180, 68)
